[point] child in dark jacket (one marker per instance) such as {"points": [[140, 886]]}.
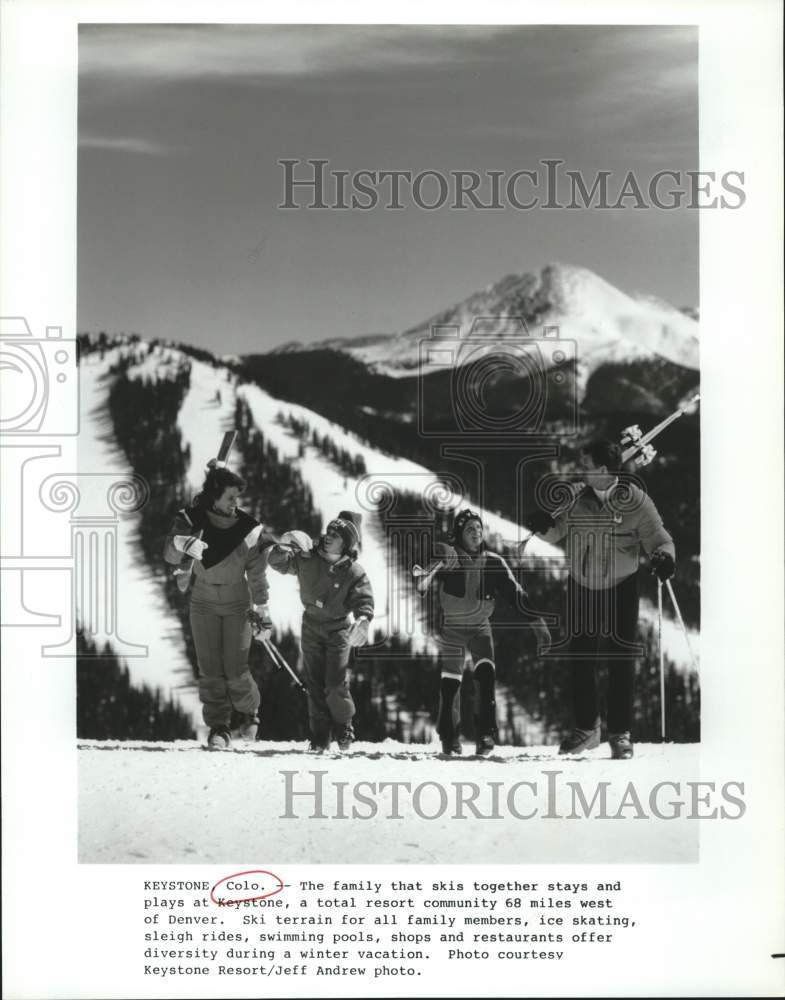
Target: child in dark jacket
{"points": [[333, 585], [468, 577]]}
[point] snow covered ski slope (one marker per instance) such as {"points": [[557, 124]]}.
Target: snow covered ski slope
{"points": [[144, 617]]}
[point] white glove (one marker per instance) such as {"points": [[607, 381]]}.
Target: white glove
{"points": [[446, 554], [358, 633], [190, 545], [263, 621], [298, 540]]}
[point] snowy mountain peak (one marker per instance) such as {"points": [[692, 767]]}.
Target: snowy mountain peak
{"points": [[607, 324]]}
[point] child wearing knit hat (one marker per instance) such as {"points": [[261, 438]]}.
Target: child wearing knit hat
{"points": [[333, 585], [468, 578]]}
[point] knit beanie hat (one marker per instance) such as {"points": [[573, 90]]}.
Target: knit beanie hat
{"points": [[460, 522], [347, 524]]}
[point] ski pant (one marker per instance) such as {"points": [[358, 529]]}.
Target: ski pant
{"points": [[603, 627], [326, 654], [457, 640], [222, 636]]}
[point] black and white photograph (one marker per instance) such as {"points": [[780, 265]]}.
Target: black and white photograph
{"points": [[462, 408], [381, 501]]}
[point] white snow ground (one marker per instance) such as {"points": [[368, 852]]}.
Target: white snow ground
{"points": [[157, 803]]}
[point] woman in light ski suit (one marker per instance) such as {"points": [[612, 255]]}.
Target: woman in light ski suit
{"points": [[229, 576]]}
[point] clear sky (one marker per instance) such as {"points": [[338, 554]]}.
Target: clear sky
{"points": [[181, 129]]}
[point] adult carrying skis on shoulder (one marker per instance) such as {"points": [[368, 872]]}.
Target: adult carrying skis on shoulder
{"points": [[333, 586], [229, 571], [605, 527]]}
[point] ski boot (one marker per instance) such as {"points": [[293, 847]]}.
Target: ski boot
{"points": [[487, 736], [484, 745], [345, 736], [248, 726], [621, 746], [451, 746], [319, 741], [219, 738], [581, 739]]}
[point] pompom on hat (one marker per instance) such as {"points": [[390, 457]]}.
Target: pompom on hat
{"points": [[348, 525]]}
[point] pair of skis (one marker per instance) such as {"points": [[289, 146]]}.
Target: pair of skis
{"points": [[636, 446], [184, 572]]}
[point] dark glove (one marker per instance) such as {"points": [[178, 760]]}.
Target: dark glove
{"points": [[663, 565], [259, 617], [539, 521]]}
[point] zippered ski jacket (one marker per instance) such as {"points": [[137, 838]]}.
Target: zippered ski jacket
{"points": [[329, 591], [604, 538], [235, 549], [467, 594]]}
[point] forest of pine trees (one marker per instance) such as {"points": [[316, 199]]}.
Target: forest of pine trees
{"points": [[110, 707]]}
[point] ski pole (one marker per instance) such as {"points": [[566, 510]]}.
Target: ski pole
{"points": [[273, 652], [280, 663], [683, 626], [662, 659]]}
